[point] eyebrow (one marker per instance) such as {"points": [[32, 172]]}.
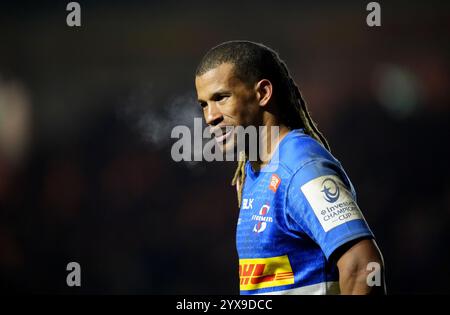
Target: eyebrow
{"points": [[216, 94]]}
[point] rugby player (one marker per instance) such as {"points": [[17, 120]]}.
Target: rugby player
{"points": [[300, 230]]}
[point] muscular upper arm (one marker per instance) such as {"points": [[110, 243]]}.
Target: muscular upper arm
{"points": [[353, 260]]}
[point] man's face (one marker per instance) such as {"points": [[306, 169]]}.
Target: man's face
{"points": [[226, 101]]}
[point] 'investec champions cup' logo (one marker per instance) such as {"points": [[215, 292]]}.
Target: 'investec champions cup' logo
{"points": [[330, 190]]}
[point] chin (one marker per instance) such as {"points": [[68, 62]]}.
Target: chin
{"points": [[228, 148]]}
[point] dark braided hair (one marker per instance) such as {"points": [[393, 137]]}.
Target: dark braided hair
{"points": [[253, 62]]}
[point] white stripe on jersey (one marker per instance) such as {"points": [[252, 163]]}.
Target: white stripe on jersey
{"points": [[322, 288]]}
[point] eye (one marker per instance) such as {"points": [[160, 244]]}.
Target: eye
{"points": [[221, 97], [203, 104]]}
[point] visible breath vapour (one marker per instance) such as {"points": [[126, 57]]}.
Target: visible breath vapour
{"points": [[155, 121]]}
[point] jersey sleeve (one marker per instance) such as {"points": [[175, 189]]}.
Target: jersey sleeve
{"points": [[321, 202]]}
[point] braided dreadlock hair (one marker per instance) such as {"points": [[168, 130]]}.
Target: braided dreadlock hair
{"points": [[252, 63]]}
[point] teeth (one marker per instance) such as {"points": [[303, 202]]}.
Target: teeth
{"points": [[223, 132], [223, 136]]}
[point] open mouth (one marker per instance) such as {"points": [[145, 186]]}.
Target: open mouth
{"points": [[224, 136]]}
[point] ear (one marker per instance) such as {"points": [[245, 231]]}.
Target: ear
{"points": [[264, 90]]}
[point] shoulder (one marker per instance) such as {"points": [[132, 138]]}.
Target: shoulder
{"points": [[298, 149], [305, 159]]}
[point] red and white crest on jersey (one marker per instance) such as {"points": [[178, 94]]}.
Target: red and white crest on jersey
{"points": [[275, 181]]}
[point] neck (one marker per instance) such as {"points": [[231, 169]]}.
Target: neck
{"points": [[268, 139]]}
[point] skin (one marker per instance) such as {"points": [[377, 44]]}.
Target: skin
{"points": [[353, 273], [228, 101]]}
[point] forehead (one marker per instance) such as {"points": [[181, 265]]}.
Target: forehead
{"points": [[219, 78]]}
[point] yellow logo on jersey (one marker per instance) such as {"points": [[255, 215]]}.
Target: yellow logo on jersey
{"points": [[258, 273]]}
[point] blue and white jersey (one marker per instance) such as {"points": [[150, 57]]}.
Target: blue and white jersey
{"points": [[294, 214]]}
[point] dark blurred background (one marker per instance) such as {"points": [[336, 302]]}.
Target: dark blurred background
{"points": [[86, 173]]}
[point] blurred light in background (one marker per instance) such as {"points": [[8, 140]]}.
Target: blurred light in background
{"points": [[15, 119], [398, 90], [86, 114]]}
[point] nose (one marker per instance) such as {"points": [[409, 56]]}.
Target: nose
{"points": [[213, 115]]}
